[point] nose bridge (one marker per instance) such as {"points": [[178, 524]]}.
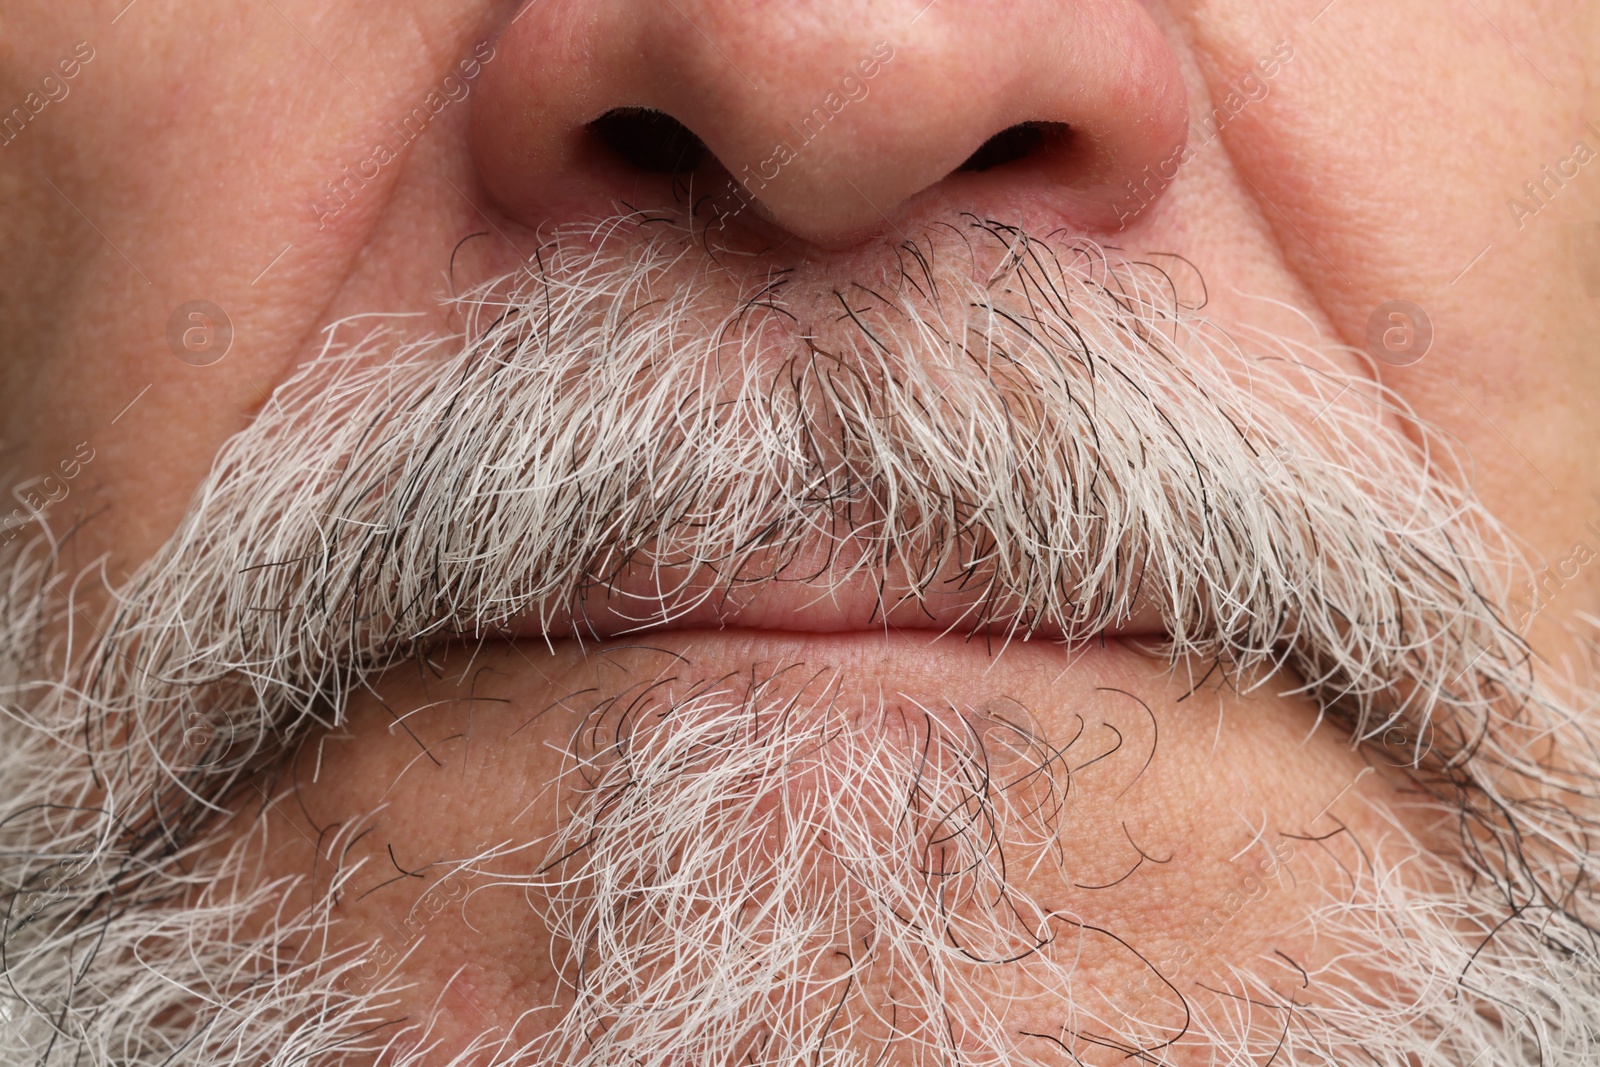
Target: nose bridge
{"points": [[835, 115]]}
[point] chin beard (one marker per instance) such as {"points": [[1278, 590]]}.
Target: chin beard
{"points": [[1034, 419]]}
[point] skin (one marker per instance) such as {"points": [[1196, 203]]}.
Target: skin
{"points": [[1378, 166]]}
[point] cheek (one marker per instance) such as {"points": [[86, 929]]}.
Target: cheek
{"points": [[1511, 370]]}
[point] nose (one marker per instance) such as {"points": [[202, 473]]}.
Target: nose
{"points": [[833, 119]]}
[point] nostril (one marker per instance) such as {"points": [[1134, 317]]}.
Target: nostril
{"points": [[1017, 142], [650, 140]]}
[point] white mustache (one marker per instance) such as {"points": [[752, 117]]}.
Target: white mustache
{"points": [[1052, 437]]}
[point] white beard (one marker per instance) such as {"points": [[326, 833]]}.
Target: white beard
{"points": [[754, 875], [1055, 426]]}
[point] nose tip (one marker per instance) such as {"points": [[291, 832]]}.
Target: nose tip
{"points": [[835, 118]]}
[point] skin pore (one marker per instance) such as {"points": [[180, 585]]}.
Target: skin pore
{"points": [[192, 160]]}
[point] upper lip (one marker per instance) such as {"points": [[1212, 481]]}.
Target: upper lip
{"points": [[821, 599]]}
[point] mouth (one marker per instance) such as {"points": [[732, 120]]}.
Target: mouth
{"points": [[1043, 450], [826, 588]]}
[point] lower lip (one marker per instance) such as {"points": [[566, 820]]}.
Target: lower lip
{"points": [[932, 669]]}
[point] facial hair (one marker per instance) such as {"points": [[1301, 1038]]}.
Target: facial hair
{"points": [[1030, 426]]}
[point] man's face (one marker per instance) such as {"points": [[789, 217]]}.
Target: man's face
{"points": [[706, 532]]}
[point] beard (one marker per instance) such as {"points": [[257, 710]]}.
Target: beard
{"points": [[1017, 438]]}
